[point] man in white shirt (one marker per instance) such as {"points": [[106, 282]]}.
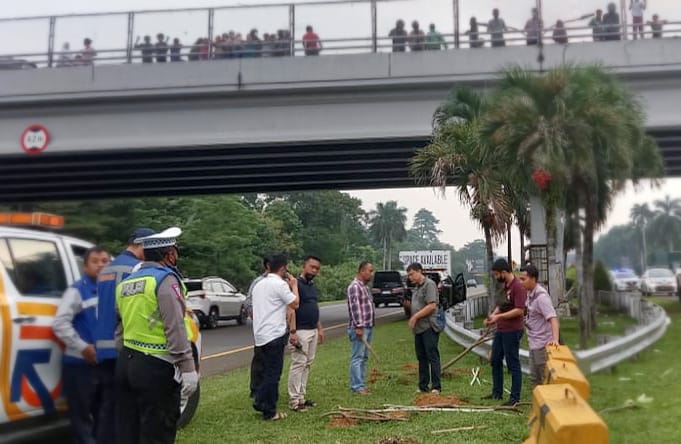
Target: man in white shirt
{"points": [[271, 296], [637, 7]]}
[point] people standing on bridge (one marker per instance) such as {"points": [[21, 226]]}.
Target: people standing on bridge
{"points": [[611, 23], [434, 40], [533, 28], [271, 298], [161, 48], [306, 332], [146, 48], [105, 331], [596, 25], [656, 26], [176, 51], [399, 36], [541, 322], [258, 361], [88, 54], [496, 28], [508, 317], [156, 366], [417, 38], [361, 326], [474, 40], [253, 45], [423, 324], [311, 42], [559, 33], [74, 325], [65, 56], [637, 7]]}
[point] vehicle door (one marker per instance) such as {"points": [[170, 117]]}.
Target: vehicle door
{"points": [[34, 275], [233, 297], [219, 297]]}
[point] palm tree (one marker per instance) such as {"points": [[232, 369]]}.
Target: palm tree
{"points": [[587, 131], [386, 225], [641, 215], [458, 156], [666, 222]]}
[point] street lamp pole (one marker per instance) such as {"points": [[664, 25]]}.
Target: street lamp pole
{"points": [[644, 262]]}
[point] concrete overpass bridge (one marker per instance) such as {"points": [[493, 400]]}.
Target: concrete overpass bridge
{"points": [[244, 125]]}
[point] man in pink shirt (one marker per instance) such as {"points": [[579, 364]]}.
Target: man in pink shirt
{"points": [[311, 42], [541, 322]]}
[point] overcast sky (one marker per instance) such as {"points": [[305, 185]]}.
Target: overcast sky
{"points": [[336, 21]]}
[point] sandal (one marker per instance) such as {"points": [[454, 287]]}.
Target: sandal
{"points": [[277, 416], [310, 403], [299, 408]]}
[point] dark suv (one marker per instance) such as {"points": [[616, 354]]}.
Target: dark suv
{"points": [[390, 287]]}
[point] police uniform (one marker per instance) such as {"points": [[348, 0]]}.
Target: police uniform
{"points": [[156, 355], [105, 343]]}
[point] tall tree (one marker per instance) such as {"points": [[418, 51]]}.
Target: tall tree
{"points": [[425, 227], [641, 215], [387, 225], [666, 222]]}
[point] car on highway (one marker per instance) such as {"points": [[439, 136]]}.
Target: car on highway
{"points": [[389, 287], [658, 281], [36, 266], [213, 299], [624, 280]]}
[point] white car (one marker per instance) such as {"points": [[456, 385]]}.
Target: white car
{"points": [[624, 280], [213, 299], [658, 281]]}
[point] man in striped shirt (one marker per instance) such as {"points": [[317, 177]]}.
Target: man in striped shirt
{"points": [[360, 326]]}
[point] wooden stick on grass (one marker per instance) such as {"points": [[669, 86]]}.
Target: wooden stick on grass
{"points": [[459, 429]]}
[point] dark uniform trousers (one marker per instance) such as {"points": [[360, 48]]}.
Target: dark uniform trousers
{"points": [[106, 417], [148, 404]]}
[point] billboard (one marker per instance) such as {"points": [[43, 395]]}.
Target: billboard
{"points": [[430, 259]]}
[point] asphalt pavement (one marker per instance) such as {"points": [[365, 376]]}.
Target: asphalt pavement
{"points": [[230, 345]]}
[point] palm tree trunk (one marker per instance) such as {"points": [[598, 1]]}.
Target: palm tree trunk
{"points": [[390, 253], [585, 306], [385, 249], [522, 248], [510, 242], [491, 289]]}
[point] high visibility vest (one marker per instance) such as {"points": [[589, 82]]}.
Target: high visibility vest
{"points": [[137, 304]]}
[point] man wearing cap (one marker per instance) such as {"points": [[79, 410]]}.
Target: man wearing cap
{"points": [[104, 335], [155, 367], [508, 317]]}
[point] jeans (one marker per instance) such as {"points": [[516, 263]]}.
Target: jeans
{"points": [[79, 387], [148, 402], [506, 346], [428, 356], [106, 416], [299, 371], [359, 357], [537, 366], [257, 370], [267, 395]]}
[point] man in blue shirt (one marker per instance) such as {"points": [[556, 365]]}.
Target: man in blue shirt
{"points": [[306, 332], [74, 325], [105, 330]]}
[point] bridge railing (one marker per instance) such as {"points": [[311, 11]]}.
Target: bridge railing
{"points": [[208, 45], [651, 326]]}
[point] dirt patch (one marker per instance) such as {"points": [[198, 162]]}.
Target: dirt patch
{"points": [[374, 375], [341, 422], [410, 367], [397, 440], [433, 400]]}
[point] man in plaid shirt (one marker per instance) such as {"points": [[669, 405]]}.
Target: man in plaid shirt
{"points": [[361, 326]]}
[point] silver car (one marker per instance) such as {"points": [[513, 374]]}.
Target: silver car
{"points": [[213, 299], [658, 281]]}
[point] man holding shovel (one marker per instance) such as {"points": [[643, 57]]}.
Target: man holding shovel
{"points": [[360, 326]]}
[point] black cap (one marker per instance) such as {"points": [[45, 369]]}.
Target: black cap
{"points": [[138, 234], [501, 265]]}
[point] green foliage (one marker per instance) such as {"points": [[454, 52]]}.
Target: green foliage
{"points": [[601, 278]]}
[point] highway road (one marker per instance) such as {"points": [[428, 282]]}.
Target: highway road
{"points": [[230, 345]]}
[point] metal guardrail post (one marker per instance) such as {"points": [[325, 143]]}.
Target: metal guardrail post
{"points": [[624, 22], [50, 42], [292, 28], [457, 23], [211, 24], [374, 26], [131, 30]]}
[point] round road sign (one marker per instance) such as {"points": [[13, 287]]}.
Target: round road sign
{"points": [[35, 139]]}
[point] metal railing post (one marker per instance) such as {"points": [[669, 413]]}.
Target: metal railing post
{"points": [[292, 28], [624, 22], [374, 26], [130, 43], [457, 24], [50, 42], [211, 24]]}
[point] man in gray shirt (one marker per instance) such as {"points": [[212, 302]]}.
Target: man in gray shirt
{"points": [[496, 28], [423, 323]]}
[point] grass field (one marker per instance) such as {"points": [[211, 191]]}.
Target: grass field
{"points": [[225, 414]]}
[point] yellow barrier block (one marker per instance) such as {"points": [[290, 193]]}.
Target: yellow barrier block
{"points": [[564, 372], [560, 353], [561, 416]]}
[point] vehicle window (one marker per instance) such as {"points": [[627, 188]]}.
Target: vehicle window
{"points": [[6, 259], [38, 269], [214, 287], [193, 285], [228, 287], [79, 254], [660, 273]]}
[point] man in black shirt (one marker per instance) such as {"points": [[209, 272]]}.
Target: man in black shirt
{"points": [[146, 48], [399, 36], [305, 333]]}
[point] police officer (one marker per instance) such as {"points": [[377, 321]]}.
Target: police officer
{"points": [[117, 270], [74, 325], [155, 366]]}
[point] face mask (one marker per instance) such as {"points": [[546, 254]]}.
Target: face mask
{"points": [[309, 277]]}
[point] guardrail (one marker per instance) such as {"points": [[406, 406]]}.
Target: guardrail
{"points": [[652, 324]]}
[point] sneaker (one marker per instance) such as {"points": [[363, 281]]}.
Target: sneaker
{"points": [[298, 408], [510, 403], [435, 392], [491, 396]]}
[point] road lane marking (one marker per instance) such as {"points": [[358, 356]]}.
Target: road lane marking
{"points": [[250, 347]]}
